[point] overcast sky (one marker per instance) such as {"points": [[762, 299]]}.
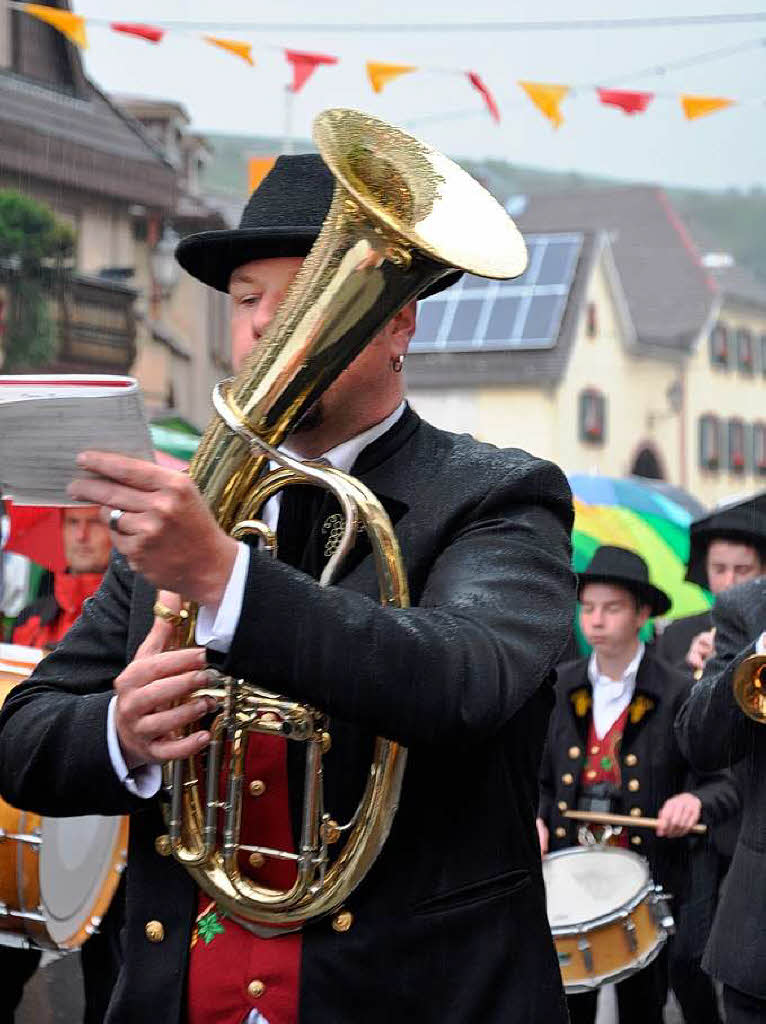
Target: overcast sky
{"points": [[221, 93]]}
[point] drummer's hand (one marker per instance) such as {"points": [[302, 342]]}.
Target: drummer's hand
{"points": [[542, 835], [701, 649], [679, 815], [162, 632], [167, 533], [146, 720]]}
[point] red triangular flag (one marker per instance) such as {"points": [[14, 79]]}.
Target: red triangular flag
{"points": [[489, 99], [304, 65], [148, 32], [629, 102]]}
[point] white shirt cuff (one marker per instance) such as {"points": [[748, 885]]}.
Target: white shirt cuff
{"points": [[760, 644], [216, 625], [143, 781]]}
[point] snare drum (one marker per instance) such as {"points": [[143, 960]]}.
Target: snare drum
{"points": [[57, 875], [607, 917]]}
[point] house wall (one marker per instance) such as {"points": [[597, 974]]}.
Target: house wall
{"points": [[726, 392]]}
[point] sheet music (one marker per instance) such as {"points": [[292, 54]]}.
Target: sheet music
{"points": [[46, 422]]}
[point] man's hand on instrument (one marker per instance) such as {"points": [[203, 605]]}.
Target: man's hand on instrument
{"points": [[166, 531], [542, 835], [701, 649], [152, 705], [679, 815]]}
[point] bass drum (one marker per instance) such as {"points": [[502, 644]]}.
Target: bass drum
{"points": [[607, 917], [57, 875]]}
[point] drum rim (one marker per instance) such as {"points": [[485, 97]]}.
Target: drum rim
{"points": [[590, 923]]}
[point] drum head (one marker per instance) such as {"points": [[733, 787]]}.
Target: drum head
{"points": [[586, 883], [81, 860]]}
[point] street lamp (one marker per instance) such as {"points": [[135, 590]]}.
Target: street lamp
{"points": [[165, 270]]}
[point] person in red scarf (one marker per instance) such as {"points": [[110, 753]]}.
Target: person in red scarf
{"points": [[87, 544]]}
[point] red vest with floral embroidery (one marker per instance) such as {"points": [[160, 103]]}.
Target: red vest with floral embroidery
{"points": [[602, 762], [232, 971]]}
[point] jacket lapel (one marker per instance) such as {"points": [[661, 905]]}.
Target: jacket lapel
{"points": [[643, 706], [580, 704]]}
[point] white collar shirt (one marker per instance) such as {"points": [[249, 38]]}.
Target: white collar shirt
{"points": [[612, 696]]}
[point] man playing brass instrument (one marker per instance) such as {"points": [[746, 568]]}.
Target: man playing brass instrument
{"points": [[714, 732], [449, 925]]}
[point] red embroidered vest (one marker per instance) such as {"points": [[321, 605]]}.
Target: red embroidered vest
{"points": [[602, 763]]}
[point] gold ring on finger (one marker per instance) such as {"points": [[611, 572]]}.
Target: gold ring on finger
{"points": [[174, 618]]}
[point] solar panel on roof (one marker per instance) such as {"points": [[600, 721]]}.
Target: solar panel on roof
{"points": [[526, 313]]}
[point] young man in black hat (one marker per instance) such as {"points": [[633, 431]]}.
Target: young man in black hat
{"points": [[611, 748], [463, 679], [714, 732], [726, 547]]}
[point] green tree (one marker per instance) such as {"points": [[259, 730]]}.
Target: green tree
{"points": [[35, 248]]}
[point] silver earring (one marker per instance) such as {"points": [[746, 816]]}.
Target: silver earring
{"points": [[397, 363]]}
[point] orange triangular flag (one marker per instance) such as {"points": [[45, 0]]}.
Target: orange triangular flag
{"points": [[70, 25], [547, 98], [381, 74], [242, 50], [698, 106]]}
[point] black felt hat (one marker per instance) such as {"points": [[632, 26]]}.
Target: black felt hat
{"points": [[626, 569], [743, 522], [282, 218]]}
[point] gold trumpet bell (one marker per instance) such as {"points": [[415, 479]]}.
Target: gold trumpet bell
{"points": [[749, 687]]}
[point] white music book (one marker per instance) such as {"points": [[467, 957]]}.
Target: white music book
{"points": [[46, 420]]}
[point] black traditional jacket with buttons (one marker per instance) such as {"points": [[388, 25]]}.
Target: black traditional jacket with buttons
{"points": [[652, 767], [449, 926]]}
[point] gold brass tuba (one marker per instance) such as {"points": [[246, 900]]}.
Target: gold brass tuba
{"points": [[402, 217], [749, 687]]}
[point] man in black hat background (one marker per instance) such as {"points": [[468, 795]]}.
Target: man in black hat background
{"points": [[714, 732], [463, 679], [611, 747], [726, 547]]}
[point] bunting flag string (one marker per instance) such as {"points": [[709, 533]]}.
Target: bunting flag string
{"points": [[547, 97], [242, 50]]}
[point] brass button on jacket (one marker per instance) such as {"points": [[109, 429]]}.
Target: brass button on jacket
{"points": [[154, 931], [634, 785], [567, 779], [636, 812], [257, 787], [636, 840], [563, 805], [162, 846], [574, 752], [342, 921], [631, 760], [256, 988], [561, 832]]}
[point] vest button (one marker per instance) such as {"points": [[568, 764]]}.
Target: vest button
{"points": [[634, 785], [256, 988], [561, 832], [342, 921], [162, 846], [590, 774], [154, 931], [595, 748], [574, 752], [636, 840], [257, 787], [631, 760], [567, 779]]}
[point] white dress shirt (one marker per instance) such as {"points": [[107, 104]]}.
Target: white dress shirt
{"points": [[216, 624], [611, 696]]}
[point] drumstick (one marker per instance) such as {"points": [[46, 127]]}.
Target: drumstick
{"points": [[596, 818]]}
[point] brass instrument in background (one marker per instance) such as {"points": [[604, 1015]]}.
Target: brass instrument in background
{"points": [[402, 217], [749, 685]]}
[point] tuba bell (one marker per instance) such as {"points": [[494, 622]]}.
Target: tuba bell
{"points": [[749, 685], [402, 217]]}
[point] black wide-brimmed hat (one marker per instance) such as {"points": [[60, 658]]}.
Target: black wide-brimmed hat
{"points": [[282, 218], [626, 569], [743, 522]]}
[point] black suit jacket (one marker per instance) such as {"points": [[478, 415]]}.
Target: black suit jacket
{"points": [[652, 767], [674, 641], [450, 924], [715, 733]]}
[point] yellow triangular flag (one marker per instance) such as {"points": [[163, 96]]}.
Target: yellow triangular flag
{"points": [[547, 98], [70, 25], [238, 49], [698, 106], [381, 74]]}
